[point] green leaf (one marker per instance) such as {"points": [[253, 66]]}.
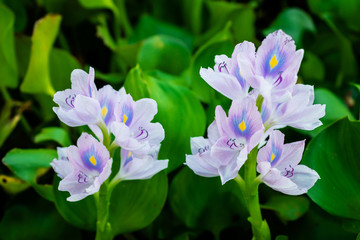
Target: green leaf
{"points": [[180, 121], [333, 154], [203, 203], [35, 219], [109, 4], [8, 66], [11, 114], [19, 9], [204, 57], [62, 63], [149, 26], [312, 68], [135, 204], [165, 53], [37, 78], [288, 208], [13, 185], [192, 11], [29, 164], [346, 10], [292, 21], [241, 16], [81, 214], [56, 134], [334, 110]]}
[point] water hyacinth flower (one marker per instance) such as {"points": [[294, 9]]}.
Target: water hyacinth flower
{"points": [[83, 168], [298, 112], [140, 167], [230, 140], [275, 69], [78, 106], [133, 129], [227, 77], [278, 164]]}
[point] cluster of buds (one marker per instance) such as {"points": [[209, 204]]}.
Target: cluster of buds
{"points": [[265, 97], [83, 168]]}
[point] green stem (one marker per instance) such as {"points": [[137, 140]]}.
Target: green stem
{"points": [[103, 227], [106, 135], [259, 227]]}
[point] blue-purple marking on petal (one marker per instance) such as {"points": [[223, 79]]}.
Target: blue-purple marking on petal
{"points": [[128, 112], [221, 66], [281, 58], [87, 155], [276, 151], [70, 100], [128, 159], [236, 120], [289, 172], [239, 77]]}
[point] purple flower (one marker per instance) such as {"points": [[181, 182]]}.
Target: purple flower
{"points": [[276, 65], [140, 167], [78, 106], [83, 168], [279, 169], [298, 111], [227, 77], [132, 129], [230, 140]]}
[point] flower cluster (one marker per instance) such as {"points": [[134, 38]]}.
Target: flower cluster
{"points": [[262, 85], [83, 168]]}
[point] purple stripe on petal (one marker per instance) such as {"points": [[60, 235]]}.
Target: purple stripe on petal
{"points": [[127, 113], [274, 155], [239, 77]]}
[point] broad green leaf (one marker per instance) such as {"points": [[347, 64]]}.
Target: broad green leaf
{"points": [[56, 134], [204, 57], [135, 204], [192, 13], [203, 203], [81, 214], [241, 16], [8, 66], [37, 78], [179, 111], [334, 110], [164, 53], [13, 185], [334, 155], [288, 208], [35, 219], [23, 48], [346, 10], [294, 22], [149, 26], [62, 63], [29, 164], [19, 9], [312, 68]]}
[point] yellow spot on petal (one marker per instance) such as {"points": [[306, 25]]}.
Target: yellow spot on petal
{"points": [[104, 111], [129, 154], [272, 157], [92, 160], [242, 126], [273, 62], [125, 118]]}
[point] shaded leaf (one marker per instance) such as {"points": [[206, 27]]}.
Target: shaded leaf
{"points": [[294, 22], [333, 153], [135, 204], [8, 66], [165, 53], [81, 214], [13, 185], [288, 208], [180, 121]]}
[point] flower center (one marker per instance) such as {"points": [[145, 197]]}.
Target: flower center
{"points": [[242, 126], [92, 159], [104, 111], [273, 62]]}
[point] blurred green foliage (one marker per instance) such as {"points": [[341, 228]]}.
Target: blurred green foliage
{"points": [[155, 49]]}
